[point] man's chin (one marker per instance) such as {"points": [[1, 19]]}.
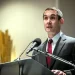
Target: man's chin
{"points": [[48, 30]]}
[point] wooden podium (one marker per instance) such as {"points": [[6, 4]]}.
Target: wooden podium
{"points": [[24, 67]]}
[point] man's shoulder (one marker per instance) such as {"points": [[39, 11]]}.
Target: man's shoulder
{"points": [[69, 38]]}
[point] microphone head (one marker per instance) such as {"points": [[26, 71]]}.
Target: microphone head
{"points": [[38, 41]]}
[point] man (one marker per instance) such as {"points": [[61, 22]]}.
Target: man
{"points": [[62, 46]]}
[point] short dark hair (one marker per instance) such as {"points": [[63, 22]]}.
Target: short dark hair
{"points": [[59, 13]]}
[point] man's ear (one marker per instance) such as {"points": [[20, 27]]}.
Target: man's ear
{"points": [[61, 21]]}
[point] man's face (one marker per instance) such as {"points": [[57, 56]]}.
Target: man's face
{"points": [[51, 22]]}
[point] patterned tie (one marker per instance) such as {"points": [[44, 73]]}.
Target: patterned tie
{"points": [[49, 51]]}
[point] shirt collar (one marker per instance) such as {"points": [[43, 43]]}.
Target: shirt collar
{"points": [[56, 37]]}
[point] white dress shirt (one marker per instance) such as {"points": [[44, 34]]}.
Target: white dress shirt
{"points": [[55, 39]]}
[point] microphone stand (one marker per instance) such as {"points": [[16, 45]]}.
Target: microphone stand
{"points": [[55, 57], [22, 52]]}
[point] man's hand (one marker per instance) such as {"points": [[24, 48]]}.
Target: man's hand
{"points": [[58, 72]]}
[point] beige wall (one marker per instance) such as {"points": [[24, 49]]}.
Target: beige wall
{"points": [[68, 8], [24, 21]]}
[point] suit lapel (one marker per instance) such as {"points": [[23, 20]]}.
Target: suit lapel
{"points": [[42, 56], [60, 44]]}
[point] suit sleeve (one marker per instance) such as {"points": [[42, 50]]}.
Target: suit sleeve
{"points": [[71, 71]]}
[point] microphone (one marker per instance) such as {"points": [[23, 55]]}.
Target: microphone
{"points": [[35, 43]]}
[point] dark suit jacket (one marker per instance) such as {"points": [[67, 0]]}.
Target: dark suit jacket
{"points": [[65, 48]]}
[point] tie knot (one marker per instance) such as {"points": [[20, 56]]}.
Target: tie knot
{"points": [[50, 41]]}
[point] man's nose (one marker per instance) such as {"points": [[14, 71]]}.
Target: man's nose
{"points": [[49, 21]]}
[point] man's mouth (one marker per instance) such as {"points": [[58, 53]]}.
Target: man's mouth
{"points": [[49, 26]]}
